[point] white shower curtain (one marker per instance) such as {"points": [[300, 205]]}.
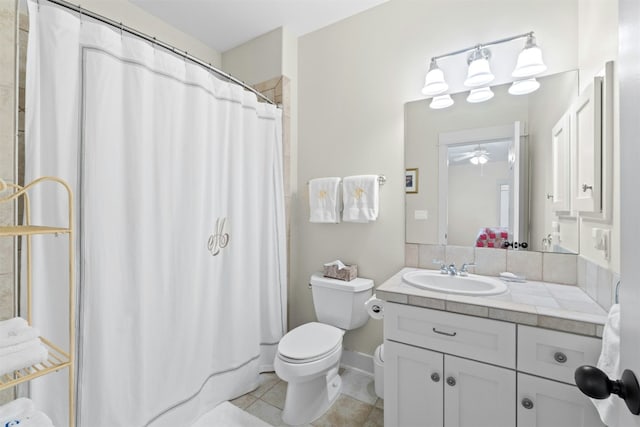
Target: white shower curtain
{"points": [[180, 224]]}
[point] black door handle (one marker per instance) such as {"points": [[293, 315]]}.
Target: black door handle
{"points": [[596, 384]]}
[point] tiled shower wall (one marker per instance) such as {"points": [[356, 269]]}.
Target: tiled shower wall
{"points": [[568, 269], [8, 46]]}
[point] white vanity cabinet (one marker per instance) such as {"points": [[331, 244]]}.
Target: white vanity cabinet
{"points": [[546, 403], [431, 389], [450, 370], [554, 356]]}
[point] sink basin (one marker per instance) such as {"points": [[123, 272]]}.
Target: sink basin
{"points": [[462, 285]]}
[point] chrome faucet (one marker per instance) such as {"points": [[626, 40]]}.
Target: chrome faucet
{"points": [[452, 270], [464, 269], [443, 267]]}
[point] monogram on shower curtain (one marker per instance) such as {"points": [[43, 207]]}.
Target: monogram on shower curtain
{"points": [[180, 220]]}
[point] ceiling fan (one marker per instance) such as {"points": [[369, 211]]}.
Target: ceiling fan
{"points": [[479, 156]]}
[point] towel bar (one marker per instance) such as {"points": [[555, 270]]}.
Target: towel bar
{"points": [[381, 180]]}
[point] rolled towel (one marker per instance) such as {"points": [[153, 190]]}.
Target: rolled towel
{"points": [[16, 410], [324, 200], [10, 325], [360, 194], [31, 355], [38, 419], [18, 336], [609, 363], [18, 347]]}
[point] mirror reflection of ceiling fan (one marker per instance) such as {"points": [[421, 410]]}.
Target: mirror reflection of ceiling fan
{"points": [[479, 156]]}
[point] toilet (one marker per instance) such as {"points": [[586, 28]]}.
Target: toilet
{"points": [[308, 356]]}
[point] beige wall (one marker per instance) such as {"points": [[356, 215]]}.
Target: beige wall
{"points": [[354, 78], [257, 60]]}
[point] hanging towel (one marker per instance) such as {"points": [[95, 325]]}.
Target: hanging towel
{"points": [[360, 196], [18, 336], [16, 410], [324, 200], [32, 355], [609, 363]]}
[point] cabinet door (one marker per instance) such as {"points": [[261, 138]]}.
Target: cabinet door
{"points": [[586, 118], [478, 395], [546, 403], [561, 172], [412, 386]]}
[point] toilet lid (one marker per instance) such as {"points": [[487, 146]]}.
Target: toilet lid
{"points": [[310, 341]]}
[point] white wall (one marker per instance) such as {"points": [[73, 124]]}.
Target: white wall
{"points": [[354, 78], [134, 17], [598, 43]]}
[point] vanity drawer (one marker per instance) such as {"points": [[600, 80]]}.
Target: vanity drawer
{"points": [[476, 338], [554, 354]]}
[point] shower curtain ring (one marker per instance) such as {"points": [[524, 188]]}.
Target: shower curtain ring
{"points": [[121, 30]]}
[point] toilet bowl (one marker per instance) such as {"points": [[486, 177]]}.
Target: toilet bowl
{"points": [[308, 356], [308, 359]]}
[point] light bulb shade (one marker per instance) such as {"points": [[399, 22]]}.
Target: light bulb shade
{"points": [[479, 73], [480, 159], [523, 87], [480, 95], [434, 83], [530, 60], [441, 101]]}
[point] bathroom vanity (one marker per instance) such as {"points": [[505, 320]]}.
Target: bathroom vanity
{"points": [[455, 360]]}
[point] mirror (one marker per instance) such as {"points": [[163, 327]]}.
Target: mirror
{"points": [[485, 170]]}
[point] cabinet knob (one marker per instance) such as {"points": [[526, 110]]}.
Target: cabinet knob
{"points": [[451, 381], [435, 377], [560, 357], [586, 187], [527, 403], [596, 384]]}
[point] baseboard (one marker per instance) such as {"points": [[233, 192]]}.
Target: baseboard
{"points": [[356, 360]]}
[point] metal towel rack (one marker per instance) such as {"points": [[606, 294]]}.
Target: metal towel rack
{"points": [[381, 180]]}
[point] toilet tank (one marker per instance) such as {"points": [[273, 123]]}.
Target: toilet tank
{"points": [[340, 303]]}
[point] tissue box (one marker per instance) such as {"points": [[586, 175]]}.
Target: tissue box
{"points": [[348, 273]]}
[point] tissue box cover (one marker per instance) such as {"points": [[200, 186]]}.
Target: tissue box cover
{"points": [[348, 273]]}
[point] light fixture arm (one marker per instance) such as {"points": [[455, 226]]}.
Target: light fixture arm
{"points": [[483, 45]]}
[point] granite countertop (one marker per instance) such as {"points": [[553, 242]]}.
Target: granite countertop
{"points": [[547, 305]]}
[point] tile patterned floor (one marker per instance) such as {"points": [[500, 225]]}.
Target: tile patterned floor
{"points": [[357, 406]]}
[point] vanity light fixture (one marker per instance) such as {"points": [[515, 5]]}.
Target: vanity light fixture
{"points": [[480, 95], [523, 87], [441, 101], [434, 83], [529, 60], [479, 75]]}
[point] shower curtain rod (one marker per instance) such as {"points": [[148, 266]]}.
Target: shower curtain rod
{"points": [[156, 42]]}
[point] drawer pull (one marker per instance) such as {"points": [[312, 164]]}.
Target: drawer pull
{"points": [[435, 377], [560, 357], [451, 381], [445, 333], [527, 403]]}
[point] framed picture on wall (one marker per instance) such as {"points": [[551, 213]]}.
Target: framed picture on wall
{"points": [[411, 180]]}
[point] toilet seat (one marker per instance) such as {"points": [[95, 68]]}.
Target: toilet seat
{"points": [[309, 342]]}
